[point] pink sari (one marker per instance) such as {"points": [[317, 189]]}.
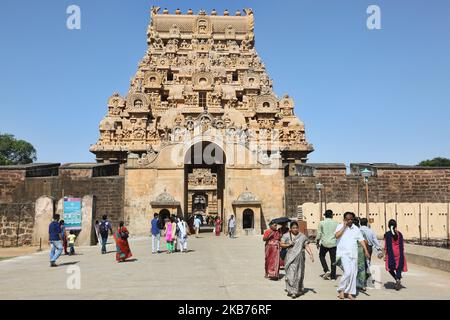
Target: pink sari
{"points": [[218, 224]]}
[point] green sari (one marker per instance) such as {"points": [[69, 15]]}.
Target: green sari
{"points": [[363, 273]]}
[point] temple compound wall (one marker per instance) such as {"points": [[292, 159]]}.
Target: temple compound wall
{"points": [[31, 194], [417, 197]]}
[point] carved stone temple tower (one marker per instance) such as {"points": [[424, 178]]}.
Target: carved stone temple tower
{"points": [[201, 130]]}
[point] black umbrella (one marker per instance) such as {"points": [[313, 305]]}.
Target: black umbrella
{"points": [[281, 220]]}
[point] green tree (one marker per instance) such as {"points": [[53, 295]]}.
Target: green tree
{"points": [[13, 151], [436, 162]]}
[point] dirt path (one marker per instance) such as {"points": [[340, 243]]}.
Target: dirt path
{"points": [[18, 251]]}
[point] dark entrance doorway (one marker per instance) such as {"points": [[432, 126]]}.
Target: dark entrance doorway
{"points": [[248, 219], [199, 203], [162, 216], [204, 167]]}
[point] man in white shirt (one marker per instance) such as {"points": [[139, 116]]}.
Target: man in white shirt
{"points": [[231, 226], [197, 224], [347, 236]]}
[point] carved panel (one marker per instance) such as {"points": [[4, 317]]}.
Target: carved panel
{"points": [[266, 103], [202, 80], [251, 80], [203, 26], [137, 102], [152, 80]]}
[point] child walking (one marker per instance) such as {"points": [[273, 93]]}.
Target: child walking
{"points": [[71, 239]]}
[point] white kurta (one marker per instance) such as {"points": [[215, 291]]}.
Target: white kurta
{"points": [[347, 251], [182, 239]]}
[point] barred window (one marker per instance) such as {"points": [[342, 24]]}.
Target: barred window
{"points": [[202, 99]]}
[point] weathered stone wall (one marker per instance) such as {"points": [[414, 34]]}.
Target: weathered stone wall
{"points": [[108, 192], [16, 224], [416, 196], [16, 188], [9, 179]]}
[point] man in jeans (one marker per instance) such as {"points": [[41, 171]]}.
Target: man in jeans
{"points": [[105, 226], [231, 226], [55, 240], [156, 234], [326, 241]]}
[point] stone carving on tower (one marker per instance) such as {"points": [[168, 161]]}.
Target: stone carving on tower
{"points": [[199, 71]]}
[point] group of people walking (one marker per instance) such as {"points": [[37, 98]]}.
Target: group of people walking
{"points": [[175, 231], [217, 226], [104, 228], [350, 245]]}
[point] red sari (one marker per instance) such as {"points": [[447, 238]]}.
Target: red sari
{"points": [[122, 246], [282, 231], [272, 249], [218, 226]]}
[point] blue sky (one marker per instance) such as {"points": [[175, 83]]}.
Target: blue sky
{"points": [[364, 95]]}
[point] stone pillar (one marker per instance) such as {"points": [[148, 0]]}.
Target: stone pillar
{"points": [[87, 206], [44, 209]]}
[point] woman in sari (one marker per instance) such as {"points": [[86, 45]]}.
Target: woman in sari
{"points": [[218, 224], [170, 232], [272, 238], [395, 253], [122, 246], [363, 275], [296, 243]]}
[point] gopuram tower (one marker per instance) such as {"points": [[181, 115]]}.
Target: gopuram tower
{"points": [[199, 82]]}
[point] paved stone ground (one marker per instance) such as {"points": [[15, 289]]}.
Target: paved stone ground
{"points": [[216, 268]]}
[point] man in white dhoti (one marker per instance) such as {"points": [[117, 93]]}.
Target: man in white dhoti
{"points": [[183, 234], [347, 236]]}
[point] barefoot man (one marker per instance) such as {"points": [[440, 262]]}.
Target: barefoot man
{"points": [[347, 236]]}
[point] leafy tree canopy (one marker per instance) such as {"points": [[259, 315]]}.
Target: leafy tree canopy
{"points": [[13, 151], [436, 162]]}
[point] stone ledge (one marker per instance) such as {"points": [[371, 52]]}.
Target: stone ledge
{"points": [[431, 257], [429, 262]]}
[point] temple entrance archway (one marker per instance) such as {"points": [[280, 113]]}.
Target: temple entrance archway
{"points": [[204, 169]]}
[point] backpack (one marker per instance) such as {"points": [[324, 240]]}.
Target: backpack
{"points": [[103, 227]]}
